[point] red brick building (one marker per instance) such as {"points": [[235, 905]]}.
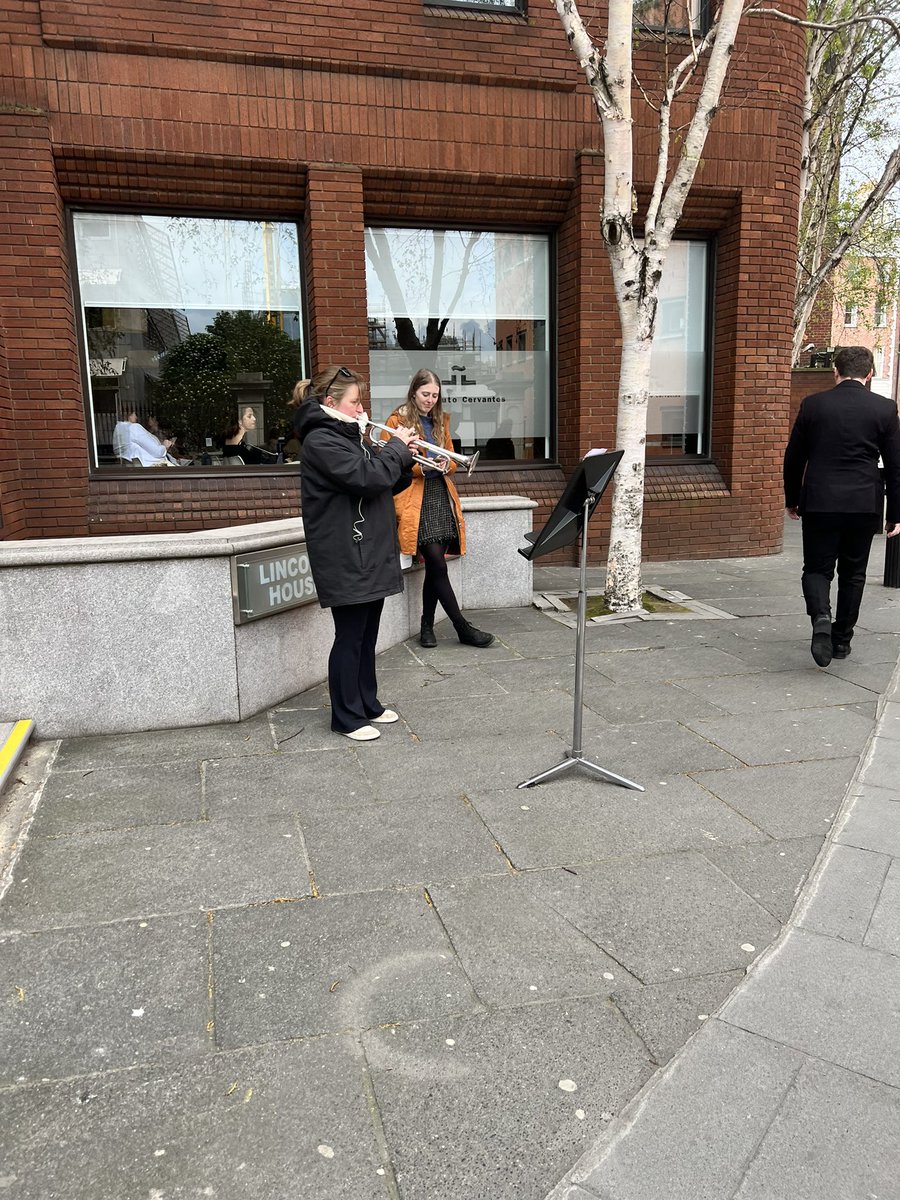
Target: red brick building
{"points": [[203, 200]]}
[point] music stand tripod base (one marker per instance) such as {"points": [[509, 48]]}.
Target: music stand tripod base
{"points": [[569, 521], [576, 760]]}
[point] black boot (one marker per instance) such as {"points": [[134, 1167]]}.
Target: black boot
{"points": [[821, 647], [470, 636], [426, 635]]}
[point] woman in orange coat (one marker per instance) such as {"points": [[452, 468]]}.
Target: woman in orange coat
{"points": [[429, 514]]}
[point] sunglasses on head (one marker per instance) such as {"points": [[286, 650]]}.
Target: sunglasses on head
{"points": [[340, 373]]}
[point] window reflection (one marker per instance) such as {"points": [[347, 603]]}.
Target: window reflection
{"points": [[472, 306], [188, 323]]}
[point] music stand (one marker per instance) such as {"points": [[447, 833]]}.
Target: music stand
{"points": [[567, 521]]}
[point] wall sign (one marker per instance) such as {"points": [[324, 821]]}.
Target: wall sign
{"points": [[270, 581]]}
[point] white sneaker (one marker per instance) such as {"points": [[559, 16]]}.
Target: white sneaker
{"points": [[365, 734], [388, 717]]}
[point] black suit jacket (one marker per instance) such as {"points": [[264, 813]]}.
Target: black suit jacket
{"points": [[831, 460]]}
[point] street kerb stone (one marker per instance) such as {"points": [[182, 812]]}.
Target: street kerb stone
{"points": [[665, 1015], [773, 873], [103, 997], [338, 964], [827, 998], [516, 950], [698, 1122], [119, 797], [398, 843], [884, 929], [873, 821], [791, 800], [661, 918], [577, 819], [154, 871], [498, 1106], [288, 1121], [837, 1134]]}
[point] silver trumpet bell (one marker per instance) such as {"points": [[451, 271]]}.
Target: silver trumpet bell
{"points": [[467, 461]]}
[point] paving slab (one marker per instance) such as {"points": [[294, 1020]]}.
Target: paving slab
{"points": [[501, 716], [844, 896], [517, 950], [758, 738], [665, 1015], [165, 745], [776, 691], [104, 997], [153, 871], [473, 1108], [818, 1146], [285, 1123], [853, 1019], [699, 1125], [398, 843], [333, 965], [784, 801], [576, 820], [772, 873], [294, 782], [684, 662], [873, 823], [884, 768], [628, 703], [653, 751], [119, 797], [661, 918], [883, 932]]}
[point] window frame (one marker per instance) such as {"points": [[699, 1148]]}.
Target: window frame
{"points": [[198, 471], [518, 464], [704, 9], [706, 420], [518, 8], [851, 316]]}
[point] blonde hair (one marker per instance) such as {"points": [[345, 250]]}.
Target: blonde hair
{"points": [[333, 382]]}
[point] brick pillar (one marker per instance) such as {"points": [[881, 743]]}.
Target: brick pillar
{"points": [[588, 342], [36, 310], [12, 512], [335, 258]]}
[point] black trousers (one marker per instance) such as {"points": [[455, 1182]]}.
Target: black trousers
{"points": [[351, 666], [842, 539]]}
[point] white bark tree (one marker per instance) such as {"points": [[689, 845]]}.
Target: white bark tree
{"points": [[638, 263], [849, 121]]}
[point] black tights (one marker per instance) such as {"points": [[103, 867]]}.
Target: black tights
{"points": [[437, 586]]}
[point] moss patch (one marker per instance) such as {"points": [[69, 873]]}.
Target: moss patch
{"points": [[597, 606]]}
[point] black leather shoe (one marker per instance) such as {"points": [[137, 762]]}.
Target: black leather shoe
{"points": [[840, 649], [820, 646], [426, 636], [470, 636]]}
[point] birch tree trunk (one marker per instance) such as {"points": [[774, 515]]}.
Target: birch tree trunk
{"points": [[638, 268]]}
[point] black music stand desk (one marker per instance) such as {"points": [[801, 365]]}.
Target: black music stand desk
{"points": [[568, 521]]}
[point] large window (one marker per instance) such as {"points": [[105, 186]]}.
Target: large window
{"points": [[677, 419], [474, 308], [673, 16], [188, 324]]}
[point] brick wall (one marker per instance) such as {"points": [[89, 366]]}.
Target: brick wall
{"points": [[12, 511], [409, 116]]}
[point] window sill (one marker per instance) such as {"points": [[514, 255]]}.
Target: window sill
{"points": [[476, 14]]}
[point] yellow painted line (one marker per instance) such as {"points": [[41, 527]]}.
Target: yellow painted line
{"points": [[13, 747]]}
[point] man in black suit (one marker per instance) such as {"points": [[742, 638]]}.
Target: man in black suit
{"points": [[832, 481]]}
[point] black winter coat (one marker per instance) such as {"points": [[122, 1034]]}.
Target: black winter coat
{"points": [[831, 461], [346, 490]]}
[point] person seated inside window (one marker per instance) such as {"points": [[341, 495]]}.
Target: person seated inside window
{"points": [[234, 446], [134, 444]]}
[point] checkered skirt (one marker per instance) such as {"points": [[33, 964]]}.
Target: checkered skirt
{"points": [[437, 522]]}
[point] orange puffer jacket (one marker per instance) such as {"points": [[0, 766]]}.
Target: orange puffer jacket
{"points": [[408, 504]]}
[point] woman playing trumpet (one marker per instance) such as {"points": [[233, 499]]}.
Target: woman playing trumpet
{"points": [[429, 514], [351, 536]]}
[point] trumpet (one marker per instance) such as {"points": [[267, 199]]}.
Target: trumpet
{"points": [[467, 461]]}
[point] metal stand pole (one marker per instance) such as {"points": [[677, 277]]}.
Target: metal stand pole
{"points": [[575, 756]]}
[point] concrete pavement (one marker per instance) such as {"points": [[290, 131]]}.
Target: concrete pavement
{"points": [[262, 961]]}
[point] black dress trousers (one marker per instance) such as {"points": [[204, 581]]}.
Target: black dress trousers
{"points": [[842, 540], [351, 666]]}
